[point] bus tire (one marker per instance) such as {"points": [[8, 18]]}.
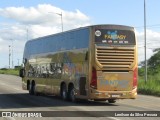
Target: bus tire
{"points": [[31, 91], [34, 90], [111, 100], [64, 94], [72, 94]]}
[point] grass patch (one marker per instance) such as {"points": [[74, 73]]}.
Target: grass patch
{"points": [[10, 71], [152, 86]]}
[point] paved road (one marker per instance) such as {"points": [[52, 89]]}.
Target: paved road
{"points": [[13, 98]]}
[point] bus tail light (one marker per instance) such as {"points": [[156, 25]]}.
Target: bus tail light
{"points": [[135, 79], [93, 83]]}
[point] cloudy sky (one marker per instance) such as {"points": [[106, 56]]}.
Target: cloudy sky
{"points": [[21, 20]]}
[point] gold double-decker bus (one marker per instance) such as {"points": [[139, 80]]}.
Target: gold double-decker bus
{"points": [[96, 62]]}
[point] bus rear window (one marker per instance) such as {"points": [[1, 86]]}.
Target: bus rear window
{"points": [[115, 37]]}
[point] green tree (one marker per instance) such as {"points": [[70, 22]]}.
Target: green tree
{"points": [[154, 62]]}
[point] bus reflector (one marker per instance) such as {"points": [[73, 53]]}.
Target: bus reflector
{"points": [[135, 78], [93, 83]]}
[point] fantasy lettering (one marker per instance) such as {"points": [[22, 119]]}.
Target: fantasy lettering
{"points": [[114, 37]]}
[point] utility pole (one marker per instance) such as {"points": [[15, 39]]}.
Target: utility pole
{"points": [[18, 61], [61, 19], [60, 14], [9, 56], [12, 55], [145, 45]]}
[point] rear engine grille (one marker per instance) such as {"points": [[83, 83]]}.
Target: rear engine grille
{"points": [[115, 57]]}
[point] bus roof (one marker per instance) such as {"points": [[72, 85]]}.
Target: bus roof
{"points": [[110, 26]]}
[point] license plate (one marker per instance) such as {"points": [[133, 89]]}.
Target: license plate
{"points": [[115, 96]]}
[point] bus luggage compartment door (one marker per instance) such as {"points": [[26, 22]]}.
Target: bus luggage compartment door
{"points": [[114, 81]]}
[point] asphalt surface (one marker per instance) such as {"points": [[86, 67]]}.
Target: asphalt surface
{"points": [[14, 99]]}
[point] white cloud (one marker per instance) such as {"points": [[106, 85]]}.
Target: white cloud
{"points": [[152, 40], [42, 20], [44, 14], [40, 30], [34, 22]]}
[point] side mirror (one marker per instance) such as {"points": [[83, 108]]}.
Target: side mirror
{"points": [[21, 72]]}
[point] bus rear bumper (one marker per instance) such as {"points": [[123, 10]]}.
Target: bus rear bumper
{"points": [[95, 94]]}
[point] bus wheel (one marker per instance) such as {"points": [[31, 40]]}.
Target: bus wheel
{"points": [[31, 89], [72, 94], [111, 100], [64, 92]]}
